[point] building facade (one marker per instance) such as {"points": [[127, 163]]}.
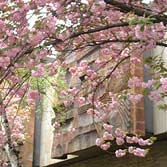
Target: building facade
{"points": [[78, 149]]}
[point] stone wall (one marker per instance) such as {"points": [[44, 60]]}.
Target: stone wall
{"points": [[128, 117], [87, 128]]}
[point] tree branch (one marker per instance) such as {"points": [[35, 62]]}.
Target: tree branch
{"points": [[99, 29], [125, 8], [93, 43]]}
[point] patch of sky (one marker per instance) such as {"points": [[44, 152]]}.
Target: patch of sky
{"points": [[147, 1]]}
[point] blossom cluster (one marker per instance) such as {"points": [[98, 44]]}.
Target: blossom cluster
{"points": [[133, 143]]}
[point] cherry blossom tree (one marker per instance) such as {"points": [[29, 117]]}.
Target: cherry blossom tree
{"points": [[33, 31]]}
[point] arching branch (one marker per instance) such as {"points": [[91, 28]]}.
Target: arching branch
{"points": [[125, 8]]}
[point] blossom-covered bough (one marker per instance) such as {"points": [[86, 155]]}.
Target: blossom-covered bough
{"points": [[32, 31]]}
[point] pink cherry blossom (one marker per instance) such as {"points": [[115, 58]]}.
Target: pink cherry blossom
{"points": [[120, 141], [135, 60], [96, 113], [163, 81], [120, 153], [107, 127], [40, 71], [129, 140], [148, 84], [143, 142], [108, 136], [36, 38], [5, 164], [73, 91], [105, 146], [4, 62], [120, 133], [135, 81], [84, 63], [90, 111], [34, 95], [99, 141], [104, 117], [135, 139], [73, 71], [67, 103], [131, 149], [64, 93], [100, 63], [105, 51], [56, 125], [135, 98], [140, 152], [81, 100]]}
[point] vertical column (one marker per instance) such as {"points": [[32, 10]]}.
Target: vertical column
{"points": [[137, 110], [27, 149]]}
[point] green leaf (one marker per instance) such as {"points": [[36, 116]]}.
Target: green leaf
{"points": [[157, 84], [146, 92], [162, 106], [142, 28]]}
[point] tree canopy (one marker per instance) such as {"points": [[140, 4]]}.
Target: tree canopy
{"points": [[37, 36]]}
